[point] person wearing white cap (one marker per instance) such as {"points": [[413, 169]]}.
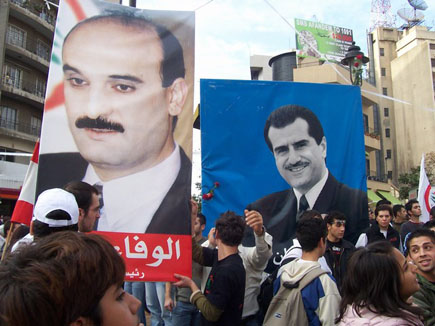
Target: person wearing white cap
{"points": [[55, 210]]}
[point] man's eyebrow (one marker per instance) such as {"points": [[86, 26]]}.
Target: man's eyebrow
{"points": [[127, 77], [301, 142], [279, 148], [68, 67]]}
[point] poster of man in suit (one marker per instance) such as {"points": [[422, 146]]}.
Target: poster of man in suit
{"points": [[118, 115], [293, 152]]}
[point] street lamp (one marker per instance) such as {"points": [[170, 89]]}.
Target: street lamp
{"points": [[355, 60]]}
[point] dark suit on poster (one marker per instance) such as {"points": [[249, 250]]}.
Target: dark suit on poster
{"points": [[173, 214], [279, 213]]}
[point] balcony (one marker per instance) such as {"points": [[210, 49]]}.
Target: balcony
{"points": [[25, 91], [34, 15], [377, 181], [18, 129], [372, 139], [29, 54]]}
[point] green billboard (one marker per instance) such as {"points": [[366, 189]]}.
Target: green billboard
{"points": [[313, 38]]}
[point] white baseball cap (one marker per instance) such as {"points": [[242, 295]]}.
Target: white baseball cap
{"points": [[56, 199]]}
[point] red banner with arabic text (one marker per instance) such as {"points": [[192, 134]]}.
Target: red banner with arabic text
{"points": [[154, 257]]}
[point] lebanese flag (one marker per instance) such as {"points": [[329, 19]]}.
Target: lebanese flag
{"points": [[424, 191], [24, 207]]}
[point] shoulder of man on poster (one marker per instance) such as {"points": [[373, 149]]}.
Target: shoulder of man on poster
{"points": [[122, 115], [296, 138]]}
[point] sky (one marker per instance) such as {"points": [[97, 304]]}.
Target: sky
{"points": [[228, 32]]}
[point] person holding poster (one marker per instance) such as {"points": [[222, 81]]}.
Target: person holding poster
{"points": [[295, 137], [124, 87]]}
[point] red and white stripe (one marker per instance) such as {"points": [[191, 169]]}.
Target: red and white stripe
{"points": [[24, 207]]}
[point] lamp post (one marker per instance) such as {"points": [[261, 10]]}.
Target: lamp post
{"points": [[355, 60]]}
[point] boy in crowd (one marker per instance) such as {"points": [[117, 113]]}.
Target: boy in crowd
{"points": [[222, 301], [400, 216], [382, 230], [421, 249], [320, 297], [66, 278], [414, 211], [338, 250]]}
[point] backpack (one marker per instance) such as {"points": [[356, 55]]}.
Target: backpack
{"points": [[265, 296], [287, 307]]}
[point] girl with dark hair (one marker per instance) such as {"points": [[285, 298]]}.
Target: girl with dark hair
{"points": [[378, 283]]}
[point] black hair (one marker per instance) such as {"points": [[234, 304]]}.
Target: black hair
{"points": [[429, 224], [230, 228], [423, 232], [41, 229], [410, 203], [384, 207], [202, 219], [309, 231], [432, 211], [334, 215], [373, 282], [397, 208], [383, 202], [287, 114], [83, 192], [310, 213]]}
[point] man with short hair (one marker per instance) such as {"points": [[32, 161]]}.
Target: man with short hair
{"points": [[320, 297], [400, 216], [122, 114], [382, 230], [55, 210], [338, 250], [295, 136], [222, 301], [88, 201], [421, 249], [432, 213], [413, 210], [199, 227]]}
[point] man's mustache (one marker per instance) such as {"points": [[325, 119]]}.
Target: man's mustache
{"points": [[296, 165], [98, 123]]}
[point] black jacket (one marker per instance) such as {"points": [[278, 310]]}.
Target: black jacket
{"points": [[374, 234], [347, 250]]}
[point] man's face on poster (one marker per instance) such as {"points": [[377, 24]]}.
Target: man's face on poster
{"points": [[117, 109], [299, 159]]}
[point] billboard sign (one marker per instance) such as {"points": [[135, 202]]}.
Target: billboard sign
{"points": [[315, 38]]}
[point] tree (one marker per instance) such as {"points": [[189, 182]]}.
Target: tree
{"points": [[409, 181], [198, 197]]}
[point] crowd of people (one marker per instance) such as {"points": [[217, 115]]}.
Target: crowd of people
{"points": [[55, 275]]}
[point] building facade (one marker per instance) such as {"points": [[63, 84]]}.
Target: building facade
{"points": [[403, 67], [26, 37]]}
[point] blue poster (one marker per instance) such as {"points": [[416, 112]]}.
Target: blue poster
{"points": [[312, 147]]}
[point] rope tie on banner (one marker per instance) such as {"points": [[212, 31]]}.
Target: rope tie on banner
{"points": [[322, 56]]}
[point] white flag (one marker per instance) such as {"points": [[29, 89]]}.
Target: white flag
{"points": [[424, 193]]}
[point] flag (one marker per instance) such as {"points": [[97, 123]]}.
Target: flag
{"points": [[424, 193], [24, 208]]}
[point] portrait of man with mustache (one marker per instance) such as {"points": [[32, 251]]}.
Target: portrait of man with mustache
{"points": [[296, 139], [124, 87]]}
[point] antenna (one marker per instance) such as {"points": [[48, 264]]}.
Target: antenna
{"points": [[48, 3], [413, 16], [380, 15]]}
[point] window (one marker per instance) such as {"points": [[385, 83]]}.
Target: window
{"points": [[388, 153], [387, 132], [366, 123], [383, 72], [40, 87], [16, 36], [432, 46], [12, 76], [8, 118], [42, 50], [384, 91], [381, 52], [35, 126], [390, 175], [386, 112]]}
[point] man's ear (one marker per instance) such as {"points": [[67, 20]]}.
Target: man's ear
{"points": [[323, 145], [177, 96], [81, 213], [202, 227]]}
